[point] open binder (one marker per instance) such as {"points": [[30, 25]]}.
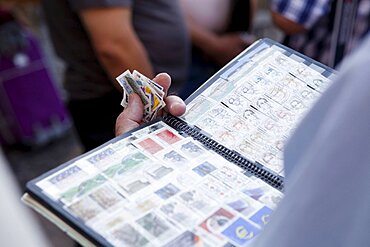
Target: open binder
{"points": [[211, 177]]}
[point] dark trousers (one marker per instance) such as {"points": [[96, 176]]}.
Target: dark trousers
{"points": [[94, 119]]}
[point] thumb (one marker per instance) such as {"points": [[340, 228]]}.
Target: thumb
{"points": [[131, 116]]}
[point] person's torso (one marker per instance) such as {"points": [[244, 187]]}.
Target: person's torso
{"points": [[159, 25]]}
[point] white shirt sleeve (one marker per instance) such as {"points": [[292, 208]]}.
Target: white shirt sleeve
{"points": [[18, 228], [327, 197]]}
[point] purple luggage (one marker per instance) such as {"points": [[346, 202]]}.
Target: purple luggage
{"points": [[31, 109]]}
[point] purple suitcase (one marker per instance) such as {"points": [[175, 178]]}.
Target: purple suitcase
{"points": [[31, 109]]}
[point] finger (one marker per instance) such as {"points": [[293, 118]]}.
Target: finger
{"points": [[175, 105], [164, 80], [131, 117]]}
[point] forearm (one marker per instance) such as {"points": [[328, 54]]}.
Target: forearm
{"points": [[286, 25], [219, 48], [115, 42], [201, 38], [298, 15], [121, 55]]}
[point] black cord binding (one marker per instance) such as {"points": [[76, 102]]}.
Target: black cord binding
{"points": [[255, 169]]}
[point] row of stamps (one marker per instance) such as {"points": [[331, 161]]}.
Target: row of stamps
{"points": [[255, 110], [157, 187]]}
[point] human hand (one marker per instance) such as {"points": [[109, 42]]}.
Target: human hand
{"points": [[132, 115]]}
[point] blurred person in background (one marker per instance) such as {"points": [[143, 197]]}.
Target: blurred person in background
{"points": [[99, 39], [219, 30], [314, 28]]}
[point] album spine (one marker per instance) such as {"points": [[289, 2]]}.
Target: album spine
{"points": [[253, 168]]}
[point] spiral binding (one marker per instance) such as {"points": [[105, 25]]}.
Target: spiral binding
{"points": [[255, 169]]}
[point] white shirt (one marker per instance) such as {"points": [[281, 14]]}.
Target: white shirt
{"points": [[17, 227], [327, 164], [213, 15]]}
